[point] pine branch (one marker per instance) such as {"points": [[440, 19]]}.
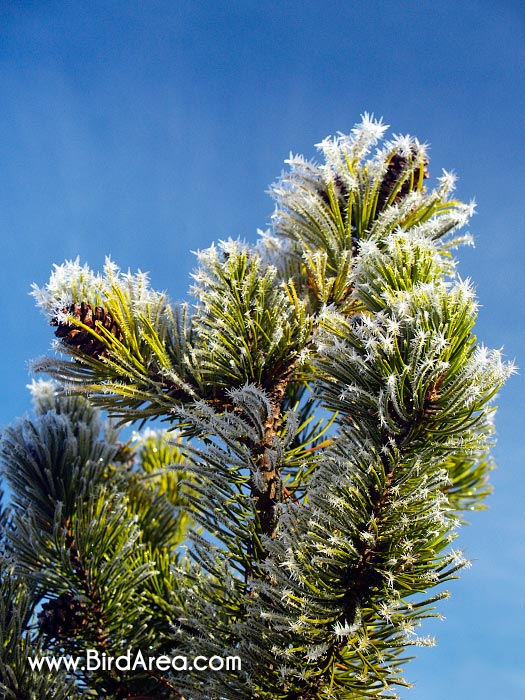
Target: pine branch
{"points": [[17, 681], [85, 554], [317, 549]]}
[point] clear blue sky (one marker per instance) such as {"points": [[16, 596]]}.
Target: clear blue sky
{"points": [[148, 129]]}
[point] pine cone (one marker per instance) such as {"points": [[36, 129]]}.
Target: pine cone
{"points": [[396, 168], [82, 339], [63, 617], [340, 191]]}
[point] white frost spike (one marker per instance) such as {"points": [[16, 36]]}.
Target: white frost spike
{"points": [[347, 629], [69, 281], [43, 394], [407, 145]]}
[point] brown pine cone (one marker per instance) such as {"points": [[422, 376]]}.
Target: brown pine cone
{"points": [[80, 338], [63, 617], [396, 168]]}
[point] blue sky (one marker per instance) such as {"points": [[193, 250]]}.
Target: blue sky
{"points": [[145, 130]]}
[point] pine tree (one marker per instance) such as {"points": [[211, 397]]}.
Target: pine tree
{"points": [[327, 422]]}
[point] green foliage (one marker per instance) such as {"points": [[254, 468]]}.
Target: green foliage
{"points": [[248, 328], [17, 680], [330, 420], [99, 521]]}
